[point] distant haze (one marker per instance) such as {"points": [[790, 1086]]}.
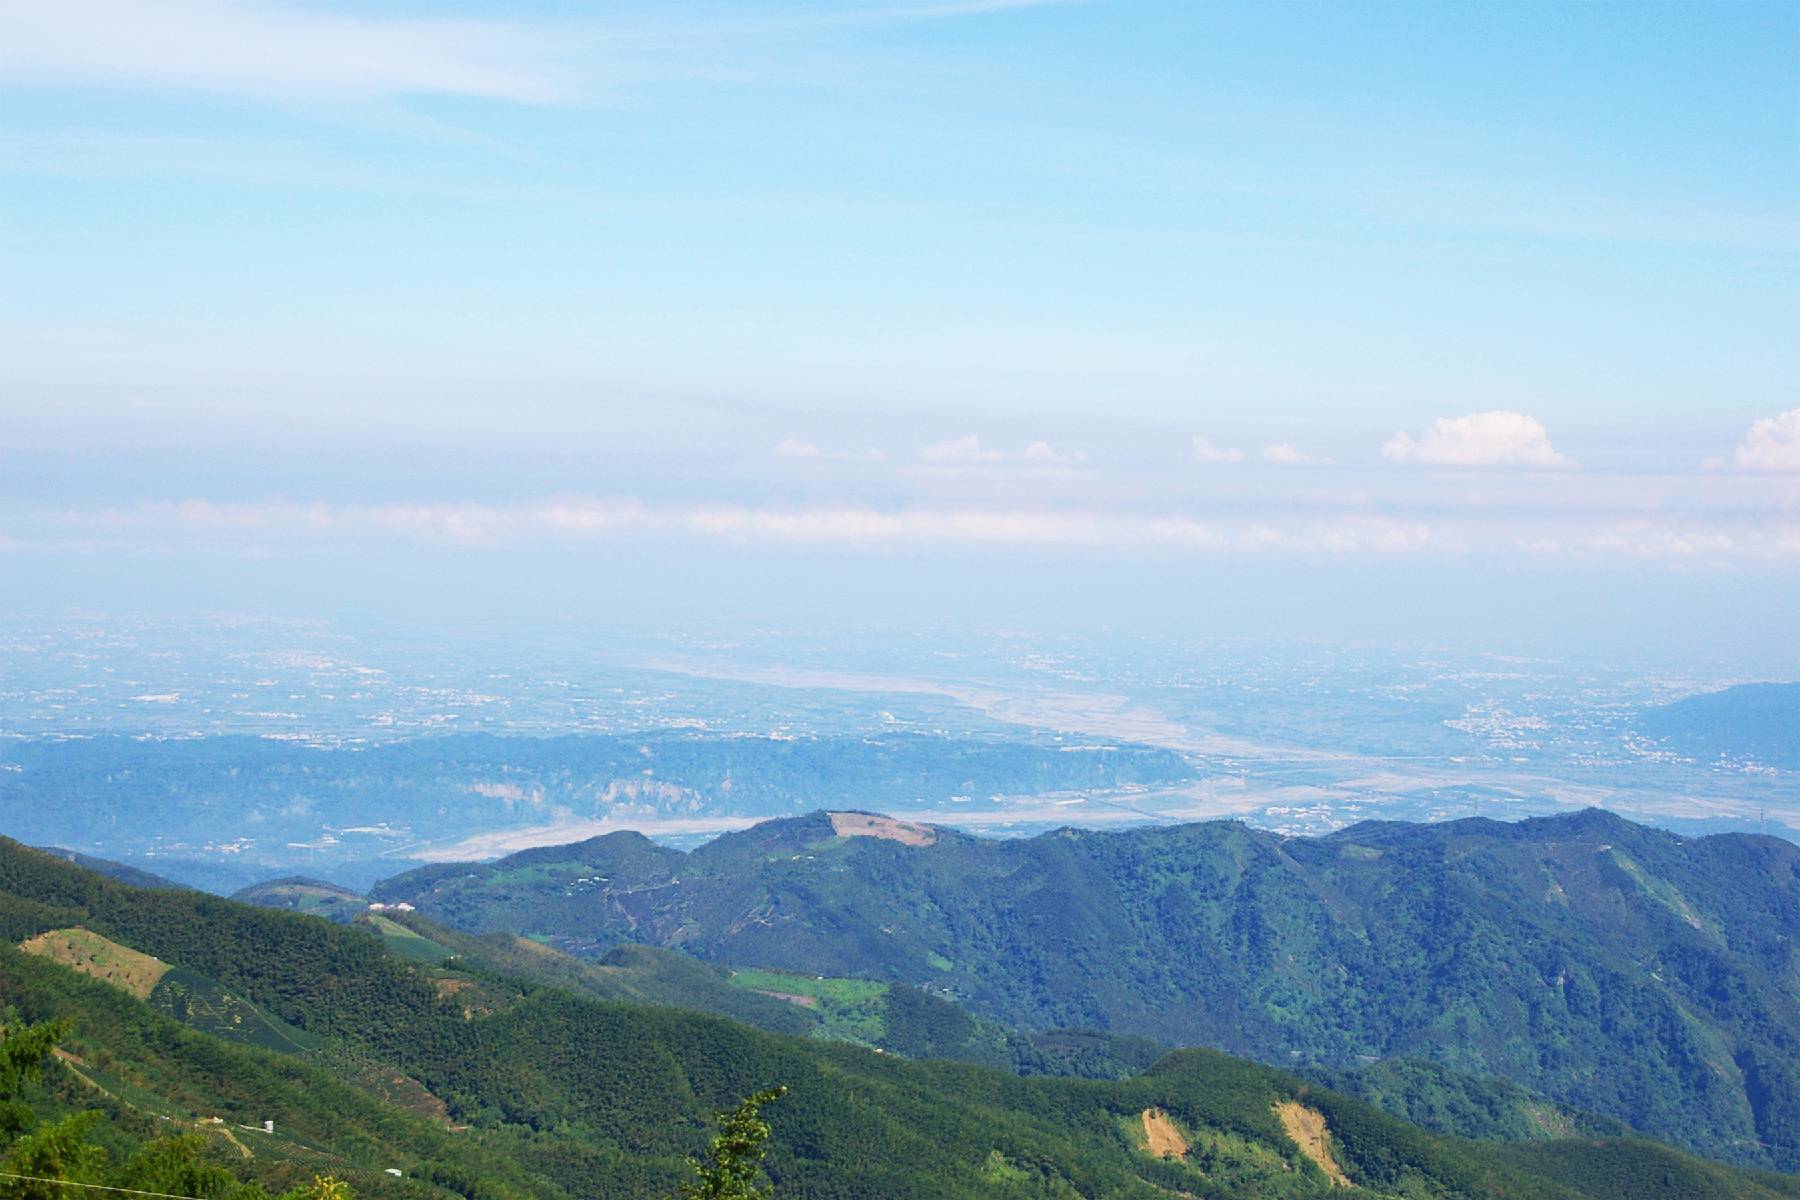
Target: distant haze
{"points": [[1464, 324]]}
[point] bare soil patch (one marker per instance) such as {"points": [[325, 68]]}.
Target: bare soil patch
{"points": [[1306, 1127], [1161, 1138], [791, 998], [848, 824]]}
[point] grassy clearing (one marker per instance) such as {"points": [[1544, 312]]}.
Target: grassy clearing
{"points": [[850, 1010], [404, 943], [95, 956]]}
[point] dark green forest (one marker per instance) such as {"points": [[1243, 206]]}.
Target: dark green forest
{"points": [[1613, 968], [477, 1084]]}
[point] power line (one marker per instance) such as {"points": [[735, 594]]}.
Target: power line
{"points": [[98, 1187]]}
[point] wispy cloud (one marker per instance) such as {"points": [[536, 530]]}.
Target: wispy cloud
{"points": [[1485, 439], [291, 51], [1206, 452], [1285, 454], [873, 14], [967, 450], [260, 49], [284, 526], [849, 526]]}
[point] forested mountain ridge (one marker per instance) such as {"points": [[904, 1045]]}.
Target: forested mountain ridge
{"points": [[113, 870], [474, 1085], [895, 1018], [130, 793], [298, 893], [1615, 968], [919, 1024], [890, 1016], [1751, 723]]}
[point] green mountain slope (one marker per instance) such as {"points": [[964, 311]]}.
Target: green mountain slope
{"points": [[112, 870], [1614, 968], [894, 1017], [633, 974], [297, 893], [151, 1075], [1434, 1097], [477, 1085], [1750, 723]]}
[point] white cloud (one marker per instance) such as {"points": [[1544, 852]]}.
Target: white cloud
{"points": [[1485, 439], [1043, 455], [1206, 452], [809, 525], [1049, 528], [583, 515], [288, 50], [968, 450], [1587, 525], [794, 448], [1770, 444], [250, 48], [1286, 455], [1673, 542], [469, 524]]}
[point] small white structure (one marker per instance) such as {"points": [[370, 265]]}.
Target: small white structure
{"points": [[268, 1127], [394, 1171]]}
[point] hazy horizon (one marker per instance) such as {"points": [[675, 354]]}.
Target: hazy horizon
{"points": [[1415, 324]]}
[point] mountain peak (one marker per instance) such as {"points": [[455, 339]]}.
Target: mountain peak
{"points": [[602, 848]]}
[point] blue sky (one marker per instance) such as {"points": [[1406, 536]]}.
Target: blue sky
{"points": [[1405, 294]]}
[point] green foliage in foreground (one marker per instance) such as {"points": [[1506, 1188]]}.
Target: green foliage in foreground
{"points": [[732, 1164], [56, 1159], [527, 1091]]}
